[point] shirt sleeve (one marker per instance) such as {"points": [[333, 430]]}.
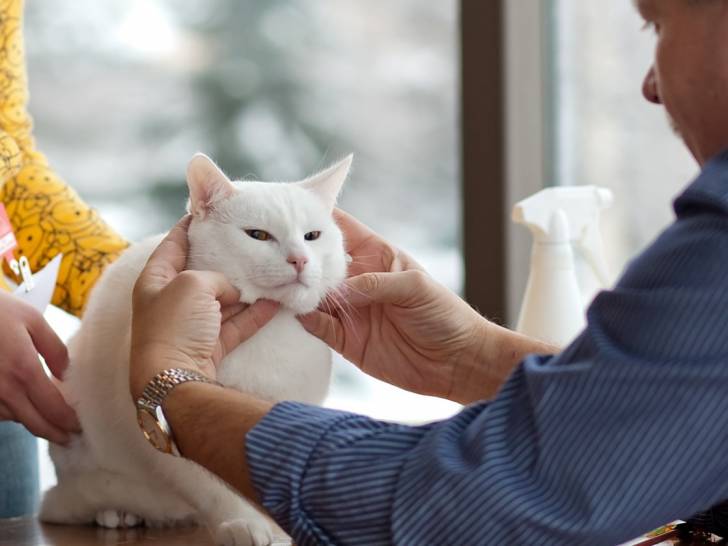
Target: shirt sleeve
{"points": [[625, 430]]}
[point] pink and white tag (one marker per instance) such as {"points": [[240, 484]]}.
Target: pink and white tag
{"points": [[37, 290]]}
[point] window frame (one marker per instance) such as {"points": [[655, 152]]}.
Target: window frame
{"points": [[507, 155]]}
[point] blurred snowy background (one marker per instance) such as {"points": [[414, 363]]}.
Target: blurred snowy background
{"points": [[123, 92]]}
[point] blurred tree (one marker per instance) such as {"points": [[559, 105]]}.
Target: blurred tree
{"points": [[249, 98]]}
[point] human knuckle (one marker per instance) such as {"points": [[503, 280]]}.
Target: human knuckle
{"points": [[190, 279], [62, 351], [30, 316], [5, 391], [418, 278], [372, 281], [139, 292], [389, 255], [36, 429], [23, 373]]}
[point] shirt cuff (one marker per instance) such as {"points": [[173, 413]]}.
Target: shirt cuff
{"points": [[278, 451]]}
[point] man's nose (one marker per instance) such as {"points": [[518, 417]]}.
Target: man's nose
{"points": [[298, 262], [649, 87]]}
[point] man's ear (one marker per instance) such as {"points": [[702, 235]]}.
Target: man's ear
{"points": [[327, 184], [207, 184]]}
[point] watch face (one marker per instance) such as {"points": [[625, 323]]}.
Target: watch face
{"points": [[153, 432]]}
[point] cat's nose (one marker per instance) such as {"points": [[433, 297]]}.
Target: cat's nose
{"points": [[299, 262]]}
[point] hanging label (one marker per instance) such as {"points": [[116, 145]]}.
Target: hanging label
{"points": [[44, 284], [26, 274], [7, 238]]}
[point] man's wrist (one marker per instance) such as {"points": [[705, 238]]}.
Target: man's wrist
{"points": [[468, 380], [210, 425], [146, 365], [493, 355]]}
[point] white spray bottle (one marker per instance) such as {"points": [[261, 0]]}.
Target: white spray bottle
{"points": [[562, 220]]}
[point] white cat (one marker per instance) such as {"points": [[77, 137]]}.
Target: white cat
{"points": [[271, 240]]}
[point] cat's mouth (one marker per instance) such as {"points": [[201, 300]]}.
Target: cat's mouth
{"points": [[295, 282]]}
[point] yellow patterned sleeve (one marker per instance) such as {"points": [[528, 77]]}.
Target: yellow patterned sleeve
{"points": [[47, 215]]}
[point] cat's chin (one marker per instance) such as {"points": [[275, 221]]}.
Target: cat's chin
{"points": [[296, 298]]}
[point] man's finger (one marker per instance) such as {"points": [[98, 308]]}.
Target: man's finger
{"points": [[50, 403], [355, 233], [170, 257], [325, 327], [395, 288], [48, 344], [5, 413], [26, 413], [245, 324], [230, 310]]}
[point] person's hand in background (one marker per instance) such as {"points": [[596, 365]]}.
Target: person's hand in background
{"points": [[399, 325], [27, 394], [186, 319]]}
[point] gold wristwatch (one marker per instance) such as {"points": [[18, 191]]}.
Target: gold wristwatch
{"points": [[149, 406]]}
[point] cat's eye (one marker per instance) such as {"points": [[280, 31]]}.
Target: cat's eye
{"points": [[312, 235], [259, 234]]}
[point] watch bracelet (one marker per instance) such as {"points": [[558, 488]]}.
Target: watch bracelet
{"points": [[161, 385]]}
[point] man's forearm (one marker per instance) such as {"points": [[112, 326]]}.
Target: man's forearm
{"points": [[210, 424], [481, 373]]}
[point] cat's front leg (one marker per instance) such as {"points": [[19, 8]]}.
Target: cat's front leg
{"points": [[231, 519], [252, 530], [112, 500]]}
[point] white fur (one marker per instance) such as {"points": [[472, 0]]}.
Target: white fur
{"points": [[110, 474]]}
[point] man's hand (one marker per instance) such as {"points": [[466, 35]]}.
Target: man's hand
{"points": [[395, 322], [27, 394], [399, 325], [186, 319]]}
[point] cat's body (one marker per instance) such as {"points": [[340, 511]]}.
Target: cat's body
{"points": [[111, 474]]}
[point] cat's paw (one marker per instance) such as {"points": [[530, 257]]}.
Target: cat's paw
{"points": [[113, 519], [61, 506], [244, 532]]}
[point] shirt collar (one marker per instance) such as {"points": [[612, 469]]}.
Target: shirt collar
{"points": [[711, 185]]}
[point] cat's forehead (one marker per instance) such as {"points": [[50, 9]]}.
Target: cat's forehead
{"points": [[275, 204]]}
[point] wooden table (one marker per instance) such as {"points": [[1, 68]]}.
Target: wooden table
{"points": [[29, 532]]}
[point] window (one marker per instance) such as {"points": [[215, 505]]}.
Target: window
{"points": [[606, 133], [124, 92]]}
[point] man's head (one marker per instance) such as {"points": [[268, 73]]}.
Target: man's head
{"points": [[689, 75]]}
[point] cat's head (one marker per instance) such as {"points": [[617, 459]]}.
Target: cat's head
{"points": [[271, 240]]}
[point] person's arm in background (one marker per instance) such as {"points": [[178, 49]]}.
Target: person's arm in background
{"points": [[48, 216], [27, 394]]}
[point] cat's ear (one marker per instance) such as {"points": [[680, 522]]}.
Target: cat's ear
{"points": [[207, 184], [327, 184]]}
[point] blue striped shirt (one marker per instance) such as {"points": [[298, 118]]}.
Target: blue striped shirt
{"points": [[623, 431]]}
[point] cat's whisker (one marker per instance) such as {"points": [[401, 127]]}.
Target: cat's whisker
{"points": [[330, 313], [345, 315]]}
